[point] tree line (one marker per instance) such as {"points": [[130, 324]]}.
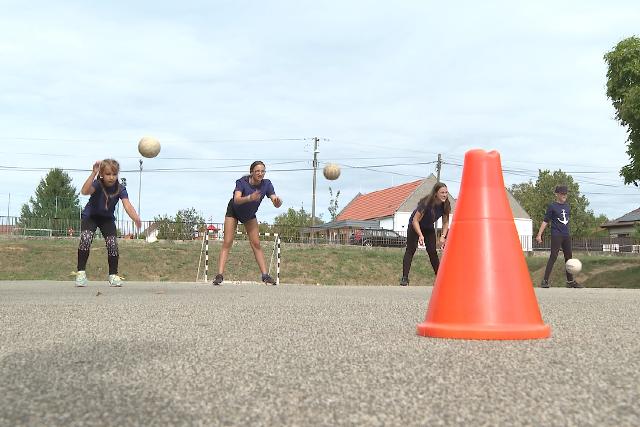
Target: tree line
{"points": [[47, 204]]}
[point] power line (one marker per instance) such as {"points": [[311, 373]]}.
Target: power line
{"points": [[211, 170], [219, 159], [613, 169], [115, 141]]}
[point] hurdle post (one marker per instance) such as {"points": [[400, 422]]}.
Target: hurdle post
{"points": [[277, 259], [206, 255]]}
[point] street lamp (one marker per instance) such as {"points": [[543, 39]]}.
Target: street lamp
{"points": [[140, 190]]}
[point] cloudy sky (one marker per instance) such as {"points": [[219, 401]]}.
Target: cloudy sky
{"points": [[385, 86]]}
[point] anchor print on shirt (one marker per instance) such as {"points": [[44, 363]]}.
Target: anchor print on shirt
{"points": [[564, 219]]}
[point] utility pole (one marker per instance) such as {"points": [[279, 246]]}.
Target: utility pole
{"points": [[438, 168], [123, 182], [315, 169], [8, 206]]}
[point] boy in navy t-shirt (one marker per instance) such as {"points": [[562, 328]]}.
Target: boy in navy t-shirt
{"points": [[558, 215]]}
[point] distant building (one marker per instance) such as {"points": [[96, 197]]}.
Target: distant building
{"points": [[390, 208], [623, 226]]}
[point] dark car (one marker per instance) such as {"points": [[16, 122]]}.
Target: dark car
{"points": [[378, 237]]}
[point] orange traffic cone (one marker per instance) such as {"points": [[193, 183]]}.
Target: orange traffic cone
{"points": [[483, 289]]}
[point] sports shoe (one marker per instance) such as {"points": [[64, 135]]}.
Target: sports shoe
{"points": [[404, 281], [544, 283], [81, 279], [268, 280], [115, 280], [574, 284], [217, 280]]}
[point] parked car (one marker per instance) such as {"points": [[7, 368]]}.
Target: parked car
{"points": [[378, 237]]}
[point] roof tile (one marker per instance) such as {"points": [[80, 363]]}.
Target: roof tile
{"points": [[378, 204]]}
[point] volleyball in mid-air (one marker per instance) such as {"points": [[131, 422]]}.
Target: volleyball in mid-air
{"points": [[149, 146], [331, 171], [573, 266]]}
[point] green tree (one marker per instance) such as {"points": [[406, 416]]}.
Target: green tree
{"points": [[288, 224], [597, 230], [333, 204], [623, 88], [182, 226], [534, 198], [265, 227], [55, 204], [164, 225]]}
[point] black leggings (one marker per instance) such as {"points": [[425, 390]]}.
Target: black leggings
{"points": [[558, 242], [88, 230], [412, 245]]}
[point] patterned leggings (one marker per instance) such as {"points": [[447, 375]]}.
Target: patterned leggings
{"points": [[88, 231]]}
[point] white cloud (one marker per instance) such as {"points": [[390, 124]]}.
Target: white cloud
{"points": [[377, 79]]}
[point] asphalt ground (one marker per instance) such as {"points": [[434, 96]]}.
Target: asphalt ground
{"points": [[248, 354]]}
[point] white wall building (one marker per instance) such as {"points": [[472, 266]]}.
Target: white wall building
{"points": [[392, 207]]}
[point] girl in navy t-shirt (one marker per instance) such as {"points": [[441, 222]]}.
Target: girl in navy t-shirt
{"points": [[105, 191], [247, 196], [421, 230]]}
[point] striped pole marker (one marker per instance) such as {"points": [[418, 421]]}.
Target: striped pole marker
{"points": [[277, 259], [206, 256]]}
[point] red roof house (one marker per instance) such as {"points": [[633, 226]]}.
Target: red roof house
{"points": [[378, 204]]}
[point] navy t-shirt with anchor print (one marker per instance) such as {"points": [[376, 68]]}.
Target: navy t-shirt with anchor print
{"points": [[557, 216]]}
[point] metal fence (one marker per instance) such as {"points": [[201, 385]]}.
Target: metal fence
{"points": [[13, 227], [55, 227], [596, 244]]}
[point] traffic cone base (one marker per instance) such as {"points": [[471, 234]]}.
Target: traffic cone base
{"points": [[498, 332]]}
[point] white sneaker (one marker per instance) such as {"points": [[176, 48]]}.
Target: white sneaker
{"points": [[81, 279], [115, 280]]}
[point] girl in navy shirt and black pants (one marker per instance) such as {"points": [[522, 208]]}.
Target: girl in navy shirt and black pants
{"points": [[105, 191], [421, 230]]}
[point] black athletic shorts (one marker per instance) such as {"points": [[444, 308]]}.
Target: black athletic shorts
{"points": [[231, 213]]}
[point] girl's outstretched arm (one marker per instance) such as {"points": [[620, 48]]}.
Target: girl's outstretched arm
{"points": [[131, 211], [276, 200], [87, 188], [416, 226], [239, 199], [445, 230]]}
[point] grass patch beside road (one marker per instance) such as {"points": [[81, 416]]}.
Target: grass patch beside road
{"points": [[55, 259]]}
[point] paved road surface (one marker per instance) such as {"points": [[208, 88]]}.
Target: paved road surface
{"points": [[187, 354]]}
